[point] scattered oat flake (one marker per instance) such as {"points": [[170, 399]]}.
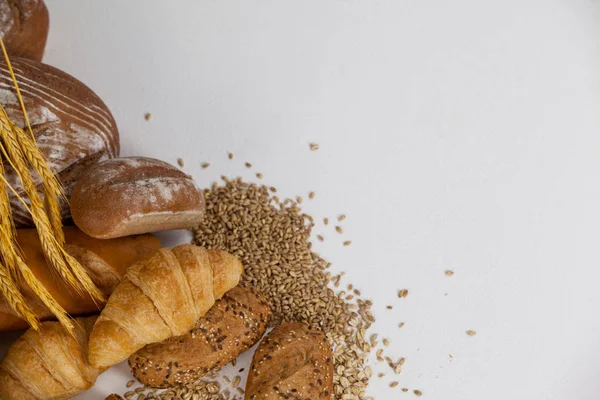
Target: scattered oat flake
{"points": [[401, 324], [130, 383], [418, 393], [259, 175], [381, 375], [393, 384], [230, 156], [311, 195], [386, 342], [341, 218], [403, 293], [449, 272], [248, 165], [339, 229], [180, 162], [347, 243], [320, 237], [325, 221], [389, 307], [147, 116], [405, 389], [205, 165], [471, 333], [299, 200], [313, 146]]}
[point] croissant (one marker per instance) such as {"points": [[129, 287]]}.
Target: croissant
{"points": [[161, 297], [48, 364]]}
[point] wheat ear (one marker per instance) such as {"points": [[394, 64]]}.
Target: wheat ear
{"points": [[80, 281], [15, 299]]}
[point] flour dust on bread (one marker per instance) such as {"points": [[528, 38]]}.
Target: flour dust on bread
{"points": [[73, 127], [133, 195], [24, 27]]}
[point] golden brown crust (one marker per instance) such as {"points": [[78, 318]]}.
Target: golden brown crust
{"points": [[49, 364], [233, 325], [132, 195], [294, 361], [24, 27], [105, 260], [155, 300]]}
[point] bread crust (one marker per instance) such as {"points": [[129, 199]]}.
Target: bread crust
{"points": [[72, 126], [133, 195], [105, 260], [294, 361], [233, 325], [24, 27]]}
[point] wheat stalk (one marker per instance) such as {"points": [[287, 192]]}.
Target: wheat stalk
{"points": [[20, 151]]}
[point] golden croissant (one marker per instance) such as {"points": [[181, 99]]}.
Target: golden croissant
{"points": [[49, 364], [161, 297]]}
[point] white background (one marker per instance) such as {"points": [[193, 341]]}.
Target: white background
{"points": [[457, 135]]}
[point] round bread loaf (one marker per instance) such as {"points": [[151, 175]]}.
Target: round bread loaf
{"points": [[24, 27], [233, 325], [294, 361], [131, 195], [73, 127]]}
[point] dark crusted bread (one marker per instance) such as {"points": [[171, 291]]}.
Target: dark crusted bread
{"points": [[294, 362]]}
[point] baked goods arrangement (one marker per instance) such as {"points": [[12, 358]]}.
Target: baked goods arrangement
{"points": [[180, 316]]}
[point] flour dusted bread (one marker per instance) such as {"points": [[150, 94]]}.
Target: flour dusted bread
{"points": [[49, 364], [73, 127], [104, 260], [294, 361], [161, 297], [132, 195], [233, 325], [24, 27]]}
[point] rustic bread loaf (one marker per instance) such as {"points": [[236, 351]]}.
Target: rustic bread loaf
{"points": [[72, 126], [233, 325], [24, 27], [105, 261], [133, 195], [294, 361]]}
